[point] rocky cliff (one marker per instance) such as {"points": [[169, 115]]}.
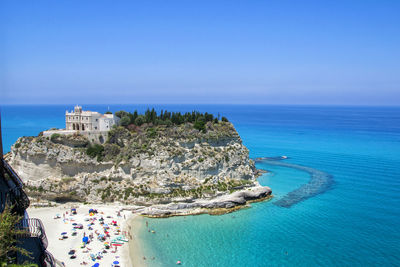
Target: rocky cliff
{"points": [[138, 165]]}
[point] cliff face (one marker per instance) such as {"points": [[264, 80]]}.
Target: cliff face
{"points": [[145, 164]]}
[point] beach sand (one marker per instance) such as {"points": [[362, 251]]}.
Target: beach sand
{"points": [[135, 250], [129, 254]]}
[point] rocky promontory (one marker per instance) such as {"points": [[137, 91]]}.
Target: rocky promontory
{"points": [[176, 168]]}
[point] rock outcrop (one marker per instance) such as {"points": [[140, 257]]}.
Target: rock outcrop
{"points": [[143, 165]]}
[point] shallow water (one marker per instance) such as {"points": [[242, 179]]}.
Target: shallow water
{"points": [[354, 223]]}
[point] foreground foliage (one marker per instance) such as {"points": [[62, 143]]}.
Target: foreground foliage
{"points": [[8, 233]]}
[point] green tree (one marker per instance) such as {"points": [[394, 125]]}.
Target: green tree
{"points": [[121, 114], [134, 117], [224, 119], [8, 233], [200, 124], [139, 120], [125, 121]]}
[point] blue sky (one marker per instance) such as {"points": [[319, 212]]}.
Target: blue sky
{"points": [[248, 52]]}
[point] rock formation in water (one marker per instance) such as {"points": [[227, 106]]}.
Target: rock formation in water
{"points": [[138, 165]]}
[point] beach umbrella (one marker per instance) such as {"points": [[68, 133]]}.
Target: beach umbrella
{"points": [[96, 264], [63, 233], [74, 224], [71, 252], [116, 262], [85, 239]]}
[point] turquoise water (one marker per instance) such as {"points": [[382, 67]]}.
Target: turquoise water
{"points": [[355, 223]]}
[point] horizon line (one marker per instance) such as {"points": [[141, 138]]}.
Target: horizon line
{"points": [[216, 104]]}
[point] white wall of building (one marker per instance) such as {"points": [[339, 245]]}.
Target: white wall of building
{"points": [[79, 120]]}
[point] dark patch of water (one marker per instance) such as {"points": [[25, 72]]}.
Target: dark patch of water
{"points": [[319, 183]]}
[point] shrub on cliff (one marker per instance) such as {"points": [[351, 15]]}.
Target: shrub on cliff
{"points": [[151, 133], [95, 150], [55, 136], [118, 135], [111, 151], [139, 120], [125, 121]]}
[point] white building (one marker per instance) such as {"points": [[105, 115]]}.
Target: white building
{"points": [[88, 121]]}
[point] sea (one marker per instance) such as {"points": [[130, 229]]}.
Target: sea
{"points": [[353, 221]]}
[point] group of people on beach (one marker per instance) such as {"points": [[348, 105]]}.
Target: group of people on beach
{"points": [[97, 230]]}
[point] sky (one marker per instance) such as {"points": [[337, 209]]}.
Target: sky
{"points": [[327, 52]]}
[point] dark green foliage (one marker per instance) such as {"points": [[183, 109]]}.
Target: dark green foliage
{"points": [[167, 118], [54, 136], [125, 121], [224, 119], [200, 124], [108, 112], [151, 133], [8, 233], [111, 150], [17, 145], [95, 150], [118, 135], [208, 117], [134, 116], [120, 114], [140, 120]]}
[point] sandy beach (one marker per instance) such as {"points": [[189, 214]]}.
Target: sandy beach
{"points": [[63, 243]]}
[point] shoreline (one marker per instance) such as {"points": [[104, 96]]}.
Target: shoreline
{"points": [[135, 249], [129, 220]]}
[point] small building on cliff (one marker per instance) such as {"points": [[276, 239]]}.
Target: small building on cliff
{"points": [[81, 120]]}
